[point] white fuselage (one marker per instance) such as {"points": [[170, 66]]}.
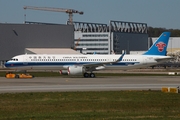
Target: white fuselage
{"points": [[57, 62]]}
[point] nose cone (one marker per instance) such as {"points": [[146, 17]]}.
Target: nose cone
{"points": [[7, 64]]}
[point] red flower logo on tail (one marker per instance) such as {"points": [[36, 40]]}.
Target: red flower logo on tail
{"points": [[160, 46]]}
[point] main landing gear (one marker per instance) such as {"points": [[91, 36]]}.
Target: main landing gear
{"points": [[91, 75]]}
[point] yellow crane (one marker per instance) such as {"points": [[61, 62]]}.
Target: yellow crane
{"points": [[68, 11]]}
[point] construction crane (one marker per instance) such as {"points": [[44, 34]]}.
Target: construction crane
{"points": [[69, 11]]}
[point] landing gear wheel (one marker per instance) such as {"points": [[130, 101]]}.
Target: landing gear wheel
{"points": [[86, 75], [92, 75]]}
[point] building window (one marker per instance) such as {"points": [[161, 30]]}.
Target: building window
{"points": [[95, 35]]}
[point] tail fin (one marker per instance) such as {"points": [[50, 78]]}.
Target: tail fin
{"points": [[160, 46]]}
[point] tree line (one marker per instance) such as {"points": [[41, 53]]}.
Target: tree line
{"points": [[155, 32]]}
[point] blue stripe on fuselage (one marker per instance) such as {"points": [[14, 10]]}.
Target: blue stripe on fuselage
{"points": [[21, 64]]}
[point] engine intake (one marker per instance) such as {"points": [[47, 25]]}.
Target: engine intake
{"points": [[64, 72]]}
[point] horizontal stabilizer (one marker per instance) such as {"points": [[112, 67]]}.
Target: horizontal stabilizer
{"points": [[163, 59]]}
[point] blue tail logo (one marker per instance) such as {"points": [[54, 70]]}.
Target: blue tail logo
{"points": [[160, 46]]}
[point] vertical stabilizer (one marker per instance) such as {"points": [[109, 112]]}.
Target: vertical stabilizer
{"points": [[160, 46]]}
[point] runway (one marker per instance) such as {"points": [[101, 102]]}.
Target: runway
{"points": [[53, 84]]}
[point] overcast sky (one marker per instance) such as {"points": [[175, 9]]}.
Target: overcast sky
{"points": [[156, 13]]}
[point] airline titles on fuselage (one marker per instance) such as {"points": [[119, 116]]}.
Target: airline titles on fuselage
{"points": [[63, 58], [53, 57]]}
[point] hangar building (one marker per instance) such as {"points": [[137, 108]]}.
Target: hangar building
{"points": [[113, 38], [15, 38]]}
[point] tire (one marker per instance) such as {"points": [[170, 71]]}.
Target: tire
{"points": [[86, 75], [92, 75]]}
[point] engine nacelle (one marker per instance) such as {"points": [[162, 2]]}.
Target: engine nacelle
{"points": [[64, 72], [73, 70]]}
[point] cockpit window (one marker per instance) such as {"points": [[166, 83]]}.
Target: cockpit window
{"points": [[14, 59]]}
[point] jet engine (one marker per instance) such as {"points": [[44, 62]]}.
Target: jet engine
{"points": [[73, 70]]}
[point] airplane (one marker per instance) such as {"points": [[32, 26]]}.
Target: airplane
{"points": [[86, 64]]}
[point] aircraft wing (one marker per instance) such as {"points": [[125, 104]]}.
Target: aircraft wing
{"points": [[104, 63]]}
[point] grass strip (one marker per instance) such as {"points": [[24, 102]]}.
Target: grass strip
{"points": [[107, 105]]}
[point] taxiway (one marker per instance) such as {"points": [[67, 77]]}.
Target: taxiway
{"points": [[53, 84]]}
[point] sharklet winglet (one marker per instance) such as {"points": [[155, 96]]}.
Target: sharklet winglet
{"points": [[121, 57]]}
